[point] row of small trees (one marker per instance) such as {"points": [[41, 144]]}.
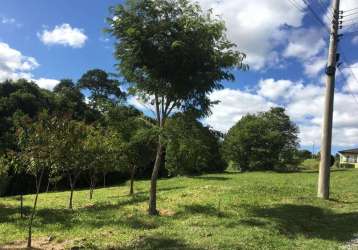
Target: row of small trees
{"points": [[62, 146], [173, 55]]}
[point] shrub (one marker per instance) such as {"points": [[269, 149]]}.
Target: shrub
{"points": [[310, 164], [265, 141], [346, 165]]}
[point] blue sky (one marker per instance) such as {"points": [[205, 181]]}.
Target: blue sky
{"points": [[286, 49]]}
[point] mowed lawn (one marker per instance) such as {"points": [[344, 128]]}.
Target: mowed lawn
{"points": [[260, 210]]}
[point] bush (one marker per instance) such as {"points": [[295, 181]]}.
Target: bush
{"points": [[265, 141], [4, 182], [192, 148], [346, 165], [4, 178], [310, 164]]}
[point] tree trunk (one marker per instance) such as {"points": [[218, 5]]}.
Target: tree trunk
{"points": [[92, 186], [71, 197], [71, 193], [21, 205], [131, 190], [38, 185], [153, 182], [91, 193], [104, 179], [48, 186]]}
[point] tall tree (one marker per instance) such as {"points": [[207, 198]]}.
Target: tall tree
{"points": [[19, 98], [104, 90], [174, 55], [70, 100]]}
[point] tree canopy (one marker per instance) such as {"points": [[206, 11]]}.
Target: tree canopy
{"points": [[173, 55], [264, 141]]}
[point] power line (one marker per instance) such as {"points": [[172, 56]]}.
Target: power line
{"points": [[350, 10], [350, 20], [351, 33], [352, 14], [323, 8], [315, 15], [349, 87], [349, 68], [347, 84], [352, 25], [296, 5]]}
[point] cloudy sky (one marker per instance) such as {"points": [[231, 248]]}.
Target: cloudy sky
{"points": [[286, 49]]}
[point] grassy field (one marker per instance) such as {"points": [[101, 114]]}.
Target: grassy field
{"points": [[221, 211]]}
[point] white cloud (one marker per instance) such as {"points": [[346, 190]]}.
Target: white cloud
{"points": [[303, 103], [304, 44], [234, 104], [274, 90], [256, 26], [64, 35], [355, 40], [5, 20], [46, 83], [14, 65], [308, 47], [314, 66], [351, 74]]}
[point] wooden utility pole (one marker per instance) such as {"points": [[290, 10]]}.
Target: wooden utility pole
{"points": [[326, 143]]}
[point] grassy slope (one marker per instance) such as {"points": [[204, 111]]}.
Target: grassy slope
{"points": [[223, 211]]}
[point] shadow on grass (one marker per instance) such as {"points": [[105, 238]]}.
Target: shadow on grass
{"points": [[145, 192], [343, 202], [208, 210], [8, 213], [310, 221], [159, 242], [95, 215], [211, 178]]}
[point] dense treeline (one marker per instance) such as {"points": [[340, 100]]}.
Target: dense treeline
{"points": [[104, 115]]}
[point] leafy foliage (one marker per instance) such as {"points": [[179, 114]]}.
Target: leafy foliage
{"points": [[104, 91], [173, 55], [264, 141], [191, 148]]}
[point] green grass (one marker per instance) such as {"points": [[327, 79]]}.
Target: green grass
{"points": [[310, 164], [221, 211]]}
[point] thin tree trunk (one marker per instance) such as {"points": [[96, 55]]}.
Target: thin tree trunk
{"points": [[131, 190], [38, 185], [153, 182], [71, 197], [91, 192], [71, 193], [21, 205], [92, 186], [104, 179], [48, 186]]}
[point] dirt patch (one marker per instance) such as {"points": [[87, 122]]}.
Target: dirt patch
{"points": [[166, 212], [353, 244], [42, 243]]}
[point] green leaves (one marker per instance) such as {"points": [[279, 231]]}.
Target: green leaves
{"points": [[191, 148], [267, 140], [105, 92], [173, 50]]}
